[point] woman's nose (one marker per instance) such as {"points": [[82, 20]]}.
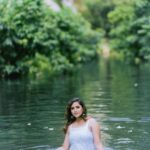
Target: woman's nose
{"points": [[75, 109]]}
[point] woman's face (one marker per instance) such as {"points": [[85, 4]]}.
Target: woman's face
{"points": [[76, 109]]}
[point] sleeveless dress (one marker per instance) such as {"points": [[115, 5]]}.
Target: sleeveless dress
{"points": [[81, 138]]}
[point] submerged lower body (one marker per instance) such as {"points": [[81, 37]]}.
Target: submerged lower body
{"points": [[61, 148], [82, 146]]}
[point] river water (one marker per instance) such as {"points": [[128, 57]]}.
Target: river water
{"points": [[116, 94]]}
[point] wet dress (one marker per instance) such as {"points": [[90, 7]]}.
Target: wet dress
{"points": [[81, 138]]}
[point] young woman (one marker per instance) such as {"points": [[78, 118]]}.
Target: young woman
{"points": [[82, 132]]}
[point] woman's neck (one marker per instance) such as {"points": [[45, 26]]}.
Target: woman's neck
{"points": [[79, 120]]}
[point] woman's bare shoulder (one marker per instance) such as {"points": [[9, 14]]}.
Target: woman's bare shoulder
{"points": [[91, 119], [70, 126]]}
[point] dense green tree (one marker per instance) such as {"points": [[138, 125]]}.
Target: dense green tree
{"points": [[30, 31], [130, 30]]}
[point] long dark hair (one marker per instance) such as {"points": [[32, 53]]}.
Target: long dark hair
{"points": [[68, 115]]}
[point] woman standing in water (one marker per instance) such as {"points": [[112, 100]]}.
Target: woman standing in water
{"points": [[82, 132]]}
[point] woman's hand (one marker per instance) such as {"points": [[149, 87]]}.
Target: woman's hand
{"points": [[96, 134]]}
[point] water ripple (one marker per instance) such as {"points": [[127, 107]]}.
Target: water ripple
{"points": [[144, 119], [118, 119], [124, 141]]}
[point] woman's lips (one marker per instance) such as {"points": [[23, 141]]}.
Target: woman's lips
{"points": [[75, 113]]}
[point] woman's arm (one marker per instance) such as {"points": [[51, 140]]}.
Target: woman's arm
{"points": [[96, 134], [66, 142], [65, 145]]}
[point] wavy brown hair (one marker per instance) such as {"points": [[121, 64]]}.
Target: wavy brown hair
{"points": [[68, 115]]}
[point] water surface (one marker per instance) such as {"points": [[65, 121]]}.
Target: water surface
{"points": [[116, 94]]}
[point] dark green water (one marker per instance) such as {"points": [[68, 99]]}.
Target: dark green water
{"points": [[117, 95]]}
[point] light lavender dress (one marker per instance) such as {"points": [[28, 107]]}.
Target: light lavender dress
{"points": [[81, 138]]}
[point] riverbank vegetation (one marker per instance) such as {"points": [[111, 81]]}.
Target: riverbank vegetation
{"points": [[35, 39], [126, 24]]}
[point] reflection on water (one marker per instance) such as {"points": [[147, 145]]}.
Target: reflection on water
{"points": [[117, 95]]}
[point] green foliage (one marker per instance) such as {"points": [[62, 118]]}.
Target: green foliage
{"points": [[60, 63], [130, 31], [125, 22], [74, 35], [38, 65], [31, 32], [96, 13]]}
